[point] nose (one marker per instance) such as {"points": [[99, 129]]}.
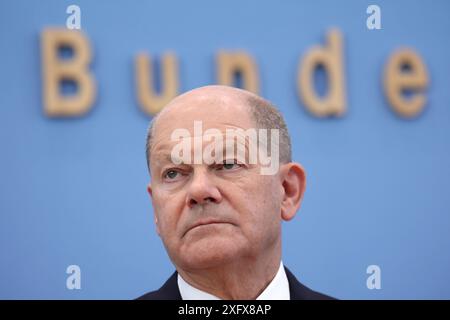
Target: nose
{"points": [[202, 189]]}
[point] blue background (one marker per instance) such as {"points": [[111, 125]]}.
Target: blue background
{"points": [[73, 191]]}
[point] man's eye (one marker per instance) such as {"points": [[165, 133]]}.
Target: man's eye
{"points": [[230, 164], [171, 174]]}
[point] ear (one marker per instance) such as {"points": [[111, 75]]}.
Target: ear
{"points": [[150, 192], [293, 181]]}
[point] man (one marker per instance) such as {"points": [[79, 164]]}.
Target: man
{"points": [[220, 220]]}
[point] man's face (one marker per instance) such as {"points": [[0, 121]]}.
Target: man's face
{"points": [[208, 214]]}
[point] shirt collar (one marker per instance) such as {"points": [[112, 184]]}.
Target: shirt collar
{"points": [[278, 289]]}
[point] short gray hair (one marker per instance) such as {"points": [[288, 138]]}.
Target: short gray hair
{"points": [[264, 114]]}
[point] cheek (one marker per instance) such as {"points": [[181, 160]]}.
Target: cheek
{"points": [[167, 210], [264, 190], [267, 219], [258, 204], [266, 204]]}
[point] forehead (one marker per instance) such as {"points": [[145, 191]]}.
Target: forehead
{"points": [[213, 111]]}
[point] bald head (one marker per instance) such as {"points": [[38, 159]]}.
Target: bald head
{"points": [[221, 103]]}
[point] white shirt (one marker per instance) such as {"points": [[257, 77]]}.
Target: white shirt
{"points": [[278, 289]]}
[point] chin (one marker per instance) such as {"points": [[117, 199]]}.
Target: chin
{"points": [[209, 252]]}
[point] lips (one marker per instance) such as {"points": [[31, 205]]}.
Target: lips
{"points": [[206, 222]]}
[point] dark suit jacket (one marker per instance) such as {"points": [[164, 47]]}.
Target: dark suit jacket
{"points": [[170, 291]]}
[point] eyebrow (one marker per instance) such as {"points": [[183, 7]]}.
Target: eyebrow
{"points": [[163, 157]]}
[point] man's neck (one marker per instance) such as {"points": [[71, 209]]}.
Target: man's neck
{"points": [[238, 280]]}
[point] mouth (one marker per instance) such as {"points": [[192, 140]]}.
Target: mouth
{"points": [[203, 223]]}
